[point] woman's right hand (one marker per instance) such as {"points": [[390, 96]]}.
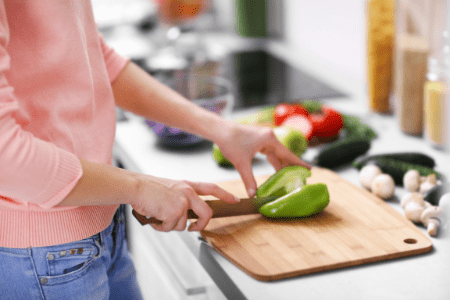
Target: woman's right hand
{"points": [[169, 200]]}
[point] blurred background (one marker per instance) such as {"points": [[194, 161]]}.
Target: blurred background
{"points": [[283, 50], [384, 61], [320, 38], [269, 51]]}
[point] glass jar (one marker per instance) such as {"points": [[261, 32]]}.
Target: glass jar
{"points": [[436, 104], [436, 96], [412, 50], [380, 48]]}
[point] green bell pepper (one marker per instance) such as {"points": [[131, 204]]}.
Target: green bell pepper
{"points": [[302, 202], [284, 181]]}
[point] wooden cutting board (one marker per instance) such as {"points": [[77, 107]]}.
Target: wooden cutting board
{"points": [[355, 228]]}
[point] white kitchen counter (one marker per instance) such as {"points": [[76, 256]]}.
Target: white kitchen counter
{"points": [[418, 277]]}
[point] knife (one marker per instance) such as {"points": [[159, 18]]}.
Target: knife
{"points": [[247, 206]]}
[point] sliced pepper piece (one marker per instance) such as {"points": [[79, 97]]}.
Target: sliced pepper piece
{"points": [[284, 181], [302, 202]]}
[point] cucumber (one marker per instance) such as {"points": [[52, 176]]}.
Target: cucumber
{"points": [[397, 169], [409, 157], [354, 127], [434, 194], [342, 152]]}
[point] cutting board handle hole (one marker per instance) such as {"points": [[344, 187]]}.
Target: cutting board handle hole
{"points": [[410, 241]]}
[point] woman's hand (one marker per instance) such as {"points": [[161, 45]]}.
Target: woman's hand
{"points": [[169, 200], [242, 142]]}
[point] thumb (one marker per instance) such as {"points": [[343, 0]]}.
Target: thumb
{"points": [[246, 173]]}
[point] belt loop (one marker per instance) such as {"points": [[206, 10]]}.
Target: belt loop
{"points": [[101, 237], [99, 245]]}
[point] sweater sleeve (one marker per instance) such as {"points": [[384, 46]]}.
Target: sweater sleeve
{"points": [[31, 170], [113, 61]]}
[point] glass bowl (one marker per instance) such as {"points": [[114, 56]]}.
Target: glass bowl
{"points": [[212, 93]]}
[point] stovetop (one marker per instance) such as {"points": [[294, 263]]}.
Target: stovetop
{"points": [[259, 79], [262, 79]]}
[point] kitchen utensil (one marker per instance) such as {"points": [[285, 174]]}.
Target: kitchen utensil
{"points": [[356, 228], [246, 206]]}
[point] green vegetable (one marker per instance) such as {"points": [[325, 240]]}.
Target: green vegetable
{"points": [[397, 168], [284, 181], [302, 202], [354, 127], [219, 158], [342, 152], [290, 137], [409, 157], [356, 140], [262, 116], [312, 106]]}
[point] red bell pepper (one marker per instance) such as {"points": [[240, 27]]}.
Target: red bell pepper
{"points": [[327, 123], [284, 111]]}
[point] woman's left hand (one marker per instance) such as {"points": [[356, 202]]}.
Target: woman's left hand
{"points": [[242, 142]]}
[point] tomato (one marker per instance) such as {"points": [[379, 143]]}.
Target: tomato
{"points": [[328, 123], [302, 124], [284, 111]]}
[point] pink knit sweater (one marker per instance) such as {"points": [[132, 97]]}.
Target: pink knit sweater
{"points": [[56, 106]]}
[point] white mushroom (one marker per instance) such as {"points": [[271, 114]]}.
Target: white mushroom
{"points": [[383, 186], [417, 197], [414, 205], [422, 179], [429, 182], [367, 175], [431, 218], [411, 181]]}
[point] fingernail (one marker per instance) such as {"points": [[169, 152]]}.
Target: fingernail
{"points": [[251, 192]]}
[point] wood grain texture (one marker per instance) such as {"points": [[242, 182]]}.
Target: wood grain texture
{"points": [[356, 228]]}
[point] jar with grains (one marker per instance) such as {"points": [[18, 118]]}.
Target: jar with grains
{"points": [[435, 101], [380, 47]]}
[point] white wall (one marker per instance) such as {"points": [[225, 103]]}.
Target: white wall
{"points": [[330, 39]]}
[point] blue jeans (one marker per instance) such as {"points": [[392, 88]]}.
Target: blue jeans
{"points": [[98, 267]]}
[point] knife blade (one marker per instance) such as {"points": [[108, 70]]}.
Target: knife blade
{"points": [[247, 206]]}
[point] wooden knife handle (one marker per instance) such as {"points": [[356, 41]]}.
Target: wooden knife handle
{"points": [[152, 220], [219, 208]]}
